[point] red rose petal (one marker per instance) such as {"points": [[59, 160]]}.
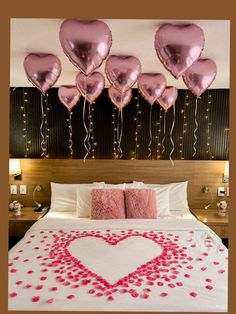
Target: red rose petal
{"points": [[54, 289], [28, 286], [110, 298], [13, 270], [43, 278], [193, 294], [13, 295], [35, 299], [203, 268], [208, 280], [19, 282], [221, 271], [159, 283], [91, 291], [145, 296], [30, 272], [171, 285], [187, 275], [39, 287], [71, 296], [49, 301], [216, 263], [209, 287], [164, 294], [179, 284]]}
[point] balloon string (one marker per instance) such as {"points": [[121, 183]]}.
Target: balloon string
{"points": [[89, 129], [164, 135], [70, 135], [41, 129], [173, 145], [84, 122], [121, 133], [195, 130], [150, 133]]}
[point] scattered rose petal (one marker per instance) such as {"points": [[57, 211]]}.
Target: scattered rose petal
{"points": [[49, 301], [209, 287], [179, 283], [13, 295], [204, 268], [35, 299], [39, 287], [13, 270], [208, 280], [43, 278], [19, 282], [193, 294], [110, 298], [28, 286], [30, 272], [221, 271], [71, 296], [164, 294]]}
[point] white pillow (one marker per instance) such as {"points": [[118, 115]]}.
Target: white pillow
{"points": [[177, 195], [134, 185], [64, 196], [83, 206], [162, 199]]}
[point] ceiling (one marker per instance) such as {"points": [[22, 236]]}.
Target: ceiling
{"points": [[129, 37]]}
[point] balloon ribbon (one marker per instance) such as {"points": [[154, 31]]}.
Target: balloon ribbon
{"points": [[150, 133], [119, 132], [164, 135], [43, 143], [173, 145], [195, 130], [70, 134]]}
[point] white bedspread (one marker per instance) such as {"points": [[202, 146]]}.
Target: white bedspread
{"points": [[168, 264]]}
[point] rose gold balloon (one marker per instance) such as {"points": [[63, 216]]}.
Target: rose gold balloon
{"points": [[200, 76], [122, 71], [42, 70], [69, 95], [151, 86], [85, 42], [119, 100], [178, 46], [168, 97], [90, 86]]}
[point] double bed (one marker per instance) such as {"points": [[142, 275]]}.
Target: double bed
{"points": [[65, 262]]}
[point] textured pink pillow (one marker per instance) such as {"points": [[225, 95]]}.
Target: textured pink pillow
{"points": [[140, 203], [108, 204]]}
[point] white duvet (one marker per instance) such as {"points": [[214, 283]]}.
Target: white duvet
{"points": [[78, 264]]}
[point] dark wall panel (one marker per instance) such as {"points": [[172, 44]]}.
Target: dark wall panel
{"points": [[212, 133]]}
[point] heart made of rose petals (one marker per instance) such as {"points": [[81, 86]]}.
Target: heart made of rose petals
{"points": [[114, 262]]}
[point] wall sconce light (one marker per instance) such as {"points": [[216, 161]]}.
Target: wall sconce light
{"points": [[226, 173], [15, 169]]}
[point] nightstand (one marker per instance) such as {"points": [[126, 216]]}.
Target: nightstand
{"points": [[210, 217], [19, 225]]}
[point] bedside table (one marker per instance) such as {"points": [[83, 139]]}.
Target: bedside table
{"points": [[19, 225], [210, 217]]}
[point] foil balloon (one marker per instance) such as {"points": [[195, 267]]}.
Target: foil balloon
{"points": [[122, 71], [151, 86], [85, 42], [178, 46], [119, 100], [69, 95], [42, 70], [200, 76], [90, 86], [168, 97]]}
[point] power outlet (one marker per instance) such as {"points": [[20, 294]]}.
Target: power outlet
{"points": [[13, 189], [221, 191], [23, 189]]}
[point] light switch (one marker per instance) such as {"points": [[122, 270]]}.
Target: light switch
{"points": [[221, 191], [13, 189], [22, 189]]}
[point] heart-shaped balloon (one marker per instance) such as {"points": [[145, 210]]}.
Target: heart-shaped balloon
{"points": [[151, 86], [168, 97], [90, 86], [42, 70], [119, 100], [178, 46], [69, 95], [122, 71], [200, 76], [85, 42]]}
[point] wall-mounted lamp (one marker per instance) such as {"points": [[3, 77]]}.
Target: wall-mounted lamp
{"points": [[15, 169], [226, 173]]}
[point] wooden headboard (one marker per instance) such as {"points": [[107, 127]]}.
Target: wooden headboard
{"points": [[43, 171]]}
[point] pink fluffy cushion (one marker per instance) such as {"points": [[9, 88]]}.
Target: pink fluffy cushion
{"points": [[140, 203], [108, 204]]}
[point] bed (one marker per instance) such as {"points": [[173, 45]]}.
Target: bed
{"points": [[65, 262]]}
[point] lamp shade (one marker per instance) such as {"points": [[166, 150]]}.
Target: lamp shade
{"points": [[14, 167]]}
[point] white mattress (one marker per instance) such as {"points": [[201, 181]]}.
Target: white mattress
{"points": [[72, 241]]}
